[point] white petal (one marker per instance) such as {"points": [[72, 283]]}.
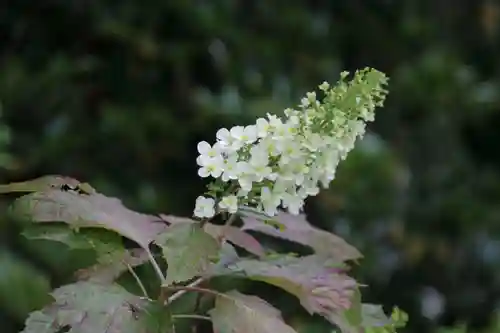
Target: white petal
{"points": [[203, 147]]}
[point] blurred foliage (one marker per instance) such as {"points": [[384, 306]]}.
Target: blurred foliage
{"points": [[119, 93]]}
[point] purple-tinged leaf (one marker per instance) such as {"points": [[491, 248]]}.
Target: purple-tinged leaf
{"points": [[87, 307], [238, 313], [320, 283], [80, 211], [297, 229]]}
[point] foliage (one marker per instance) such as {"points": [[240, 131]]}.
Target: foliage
{"points": [[195, 251]]}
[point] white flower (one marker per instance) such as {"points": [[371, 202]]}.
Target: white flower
{"points": [[263, 127], [205, 207], [246, 176], [244, 135], [270, 201], [293, 202], [270, 145], [210, 166], [229, 203], [290, 150], [227, 141], [205, 149], [230, 168], [282, 161]]}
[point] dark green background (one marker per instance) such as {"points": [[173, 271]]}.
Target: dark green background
{"points": [[118, 93]]}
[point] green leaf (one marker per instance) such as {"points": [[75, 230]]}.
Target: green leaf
{"points": [[100, 240], [90, 308], [374, 316], [43, 183], [188, 250], [319, 282], [232, 234], [297, 229], [111, 266], [85, 211], [376, 321], [354, 315], [238, 313]]}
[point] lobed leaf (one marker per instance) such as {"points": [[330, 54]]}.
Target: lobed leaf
{"points": [[100, 240], [297, 229], [112, 265], [319, 282], [238, 313], [188, 250], [87, 307], [232, 234], [43, 183], [84, 211]]}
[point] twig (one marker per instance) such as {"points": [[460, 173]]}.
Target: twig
{"points": [[191, 316], [137, 279], [198, 289], [156, 266], [179, 293]]}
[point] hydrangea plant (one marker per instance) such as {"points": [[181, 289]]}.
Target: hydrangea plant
{"points": [[261, 175]]}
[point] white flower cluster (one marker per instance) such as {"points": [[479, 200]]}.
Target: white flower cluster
{"points": [[281, 161]]}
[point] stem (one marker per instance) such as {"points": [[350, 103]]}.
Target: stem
{"points": [[197, 289], [156, 266], [178, 294], [191, 316], [137, 279]]}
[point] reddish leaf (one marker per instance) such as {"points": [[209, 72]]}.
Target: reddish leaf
{"points": [[238, 313], [319, 283], [94, 210], [89, 308], [297, 229]]}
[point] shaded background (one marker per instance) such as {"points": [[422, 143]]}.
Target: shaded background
{"points": [[118, 93]]}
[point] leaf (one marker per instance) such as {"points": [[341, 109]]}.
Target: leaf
{"points": [[188, 250], [111, 266], [239, 313], [44, 183], [100, 240], [90, 308], [319, 282], [297, 229], [233, 234], [374, 316], [376, 321], [84, 211]]}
